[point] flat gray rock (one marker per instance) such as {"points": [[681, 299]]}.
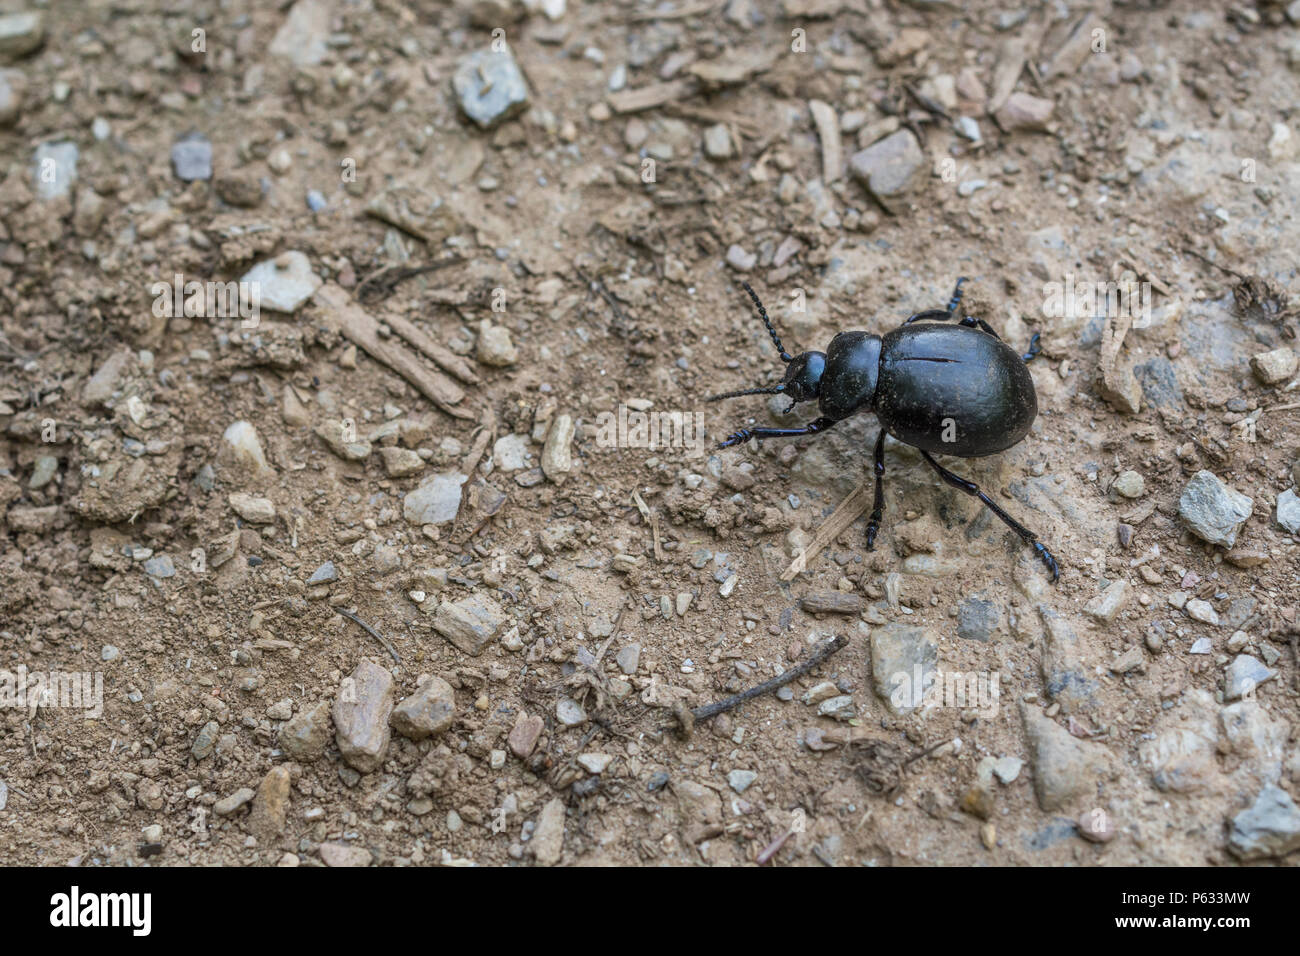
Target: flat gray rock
{"points": [[888, 167], [1269, 828], [1212, 510], [490, 87]]}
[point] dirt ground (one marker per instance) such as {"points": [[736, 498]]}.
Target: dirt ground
{"points": [[452, 313]]}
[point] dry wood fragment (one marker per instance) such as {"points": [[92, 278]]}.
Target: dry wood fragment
{"points": [[828, 130], [443, 357], [648, 97], [832, 602], [850, 509], [361, 328]]}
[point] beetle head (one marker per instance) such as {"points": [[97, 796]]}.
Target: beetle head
{"points": [[803, 376]]}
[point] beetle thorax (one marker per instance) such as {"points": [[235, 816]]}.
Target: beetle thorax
{"points": [[852, 373]]}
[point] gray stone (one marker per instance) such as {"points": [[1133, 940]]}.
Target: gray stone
{"points": [[55, 169], [1269, 828], [229, 805], [324, 574], [1159, 382], [241, 447], [569, 712], [251, 508], [739, 780], [1064, 673], [302, 38], [192, 158], [401, 462], [1106, 605], [548, 836], [1212, 510], [361, 712], [431, 710], [342, 439], [887, 168], [839, 708], [629, 658], [1023, 111], [205, 740], [903, 664], [1275, 367], [1007, 769], [495, 346], [1202, 611], [469, 624], [21, 33], [1243, 675], [13, 89], [340, 854], [1130, 484], [489, 87], [1065, 767], [717, 142], [270, 806], [436, 501], [977, 619], [284, 283], [160, 566], [557, 456], [510, 452], [1288, 511]]}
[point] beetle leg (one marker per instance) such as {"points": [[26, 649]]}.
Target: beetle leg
{"points": [[971, 323], [956, 296], [1034, 348], [931, 315], [971, 488], [942, 315], [878, 506], [745, 434]]}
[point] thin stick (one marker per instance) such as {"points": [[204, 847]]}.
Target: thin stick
{"points": [[824, 651], [371, 631], [849, 511]]}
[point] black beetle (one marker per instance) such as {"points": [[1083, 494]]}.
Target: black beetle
{"points": [[944, 389]]}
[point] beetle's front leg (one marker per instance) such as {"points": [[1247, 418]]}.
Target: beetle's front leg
{"points": [[745, 434], [878, 506]]}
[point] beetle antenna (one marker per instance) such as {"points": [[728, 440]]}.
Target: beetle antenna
{"points": [[776, 339], [765, 390]]}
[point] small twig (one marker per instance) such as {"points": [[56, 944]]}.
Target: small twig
{"points": [[712, 710], [1192, 252], [774, 847], [386, 278], [849, 510], [371, 631]]}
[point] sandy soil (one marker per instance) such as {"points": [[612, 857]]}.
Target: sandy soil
{"points": [[462, 311]]}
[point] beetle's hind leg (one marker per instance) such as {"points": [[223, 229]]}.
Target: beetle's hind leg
{"points": [[745, 434], [878, 506], [971, 488], [973, 323], [940, 315]]}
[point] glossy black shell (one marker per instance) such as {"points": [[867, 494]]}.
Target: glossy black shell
{"points": [[941, 381]]}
